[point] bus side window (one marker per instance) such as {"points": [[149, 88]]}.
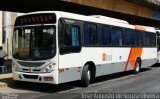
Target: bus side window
{"points": [[90, 34], [140, 38], [104, 35], [61, 33], [144, 39], [75, 36], [135, 38], [152, 39], [69, 38], [147, 39], [128, 37], [117, 36]]}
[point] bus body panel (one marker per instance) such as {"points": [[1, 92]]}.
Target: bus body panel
{"points": [[149, 56], [54, 74], [116, 59], [105, 59], [113, 63], [70, 66], [29, 71]]}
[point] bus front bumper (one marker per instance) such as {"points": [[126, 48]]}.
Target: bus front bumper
{"points": [[51, 78]]}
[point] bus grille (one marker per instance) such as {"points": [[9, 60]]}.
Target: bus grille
{"points": [[30, 64], [30, 76]]}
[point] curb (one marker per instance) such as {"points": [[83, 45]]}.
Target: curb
{"points": [[3, 78], [2, 84]]}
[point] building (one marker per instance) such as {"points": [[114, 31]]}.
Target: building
{"points": [[6, 30]]}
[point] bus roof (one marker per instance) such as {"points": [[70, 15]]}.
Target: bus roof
{"points": [[92, 18], [109, 18], [109, 21], [145, 28], [98, 19]]}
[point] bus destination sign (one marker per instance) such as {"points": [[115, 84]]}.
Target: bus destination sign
{"points": [[36, 19]]}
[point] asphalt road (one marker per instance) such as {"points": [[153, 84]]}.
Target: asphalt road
{"points": [[146, 84]]}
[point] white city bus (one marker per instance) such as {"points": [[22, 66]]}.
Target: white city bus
{"points": [[57, 47]]}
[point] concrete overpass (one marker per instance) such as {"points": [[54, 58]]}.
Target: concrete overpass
{"points": [[142, 12], [135, 11]]}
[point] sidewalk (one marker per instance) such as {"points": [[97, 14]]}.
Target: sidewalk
{"points": [[6, 79], [3, 79], [4, 76]]}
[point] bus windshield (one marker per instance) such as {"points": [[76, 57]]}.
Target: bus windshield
{"points": [[34, 42]]}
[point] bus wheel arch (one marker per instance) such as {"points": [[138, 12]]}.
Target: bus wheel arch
{"points": [[88, 73]]}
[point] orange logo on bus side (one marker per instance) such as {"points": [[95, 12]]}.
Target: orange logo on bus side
{"points": [[106, 57]]}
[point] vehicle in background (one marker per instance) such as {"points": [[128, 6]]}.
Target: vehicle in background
{"points": [[158, 45]]}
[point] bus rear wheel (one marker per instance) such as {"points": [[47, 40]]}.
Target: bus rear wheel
{"points": [[86, 76], [137, 67]]}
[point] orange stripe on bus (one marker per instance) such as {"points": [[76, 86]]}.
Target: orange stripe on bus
{"points": [[134, 53], [142, 28]]}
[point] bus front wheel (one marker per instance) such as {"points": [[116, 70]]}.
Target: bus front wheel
{"points": [[86, 76]]}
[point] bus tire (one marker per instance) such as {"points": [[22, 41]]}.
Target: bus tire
{"points": [[86, 76], [137, 67]]}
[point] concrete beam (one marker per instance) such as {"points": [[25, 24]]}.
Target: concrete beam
{"points": [[122, 6], [121, 9]]}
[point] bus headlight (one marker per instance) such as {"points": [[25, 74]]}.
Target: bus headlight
{"points": [[48, 69], [15, 67]]}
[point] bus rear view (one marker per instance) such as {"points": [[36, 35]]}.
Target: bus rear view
{"points": [[34, 48]]}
